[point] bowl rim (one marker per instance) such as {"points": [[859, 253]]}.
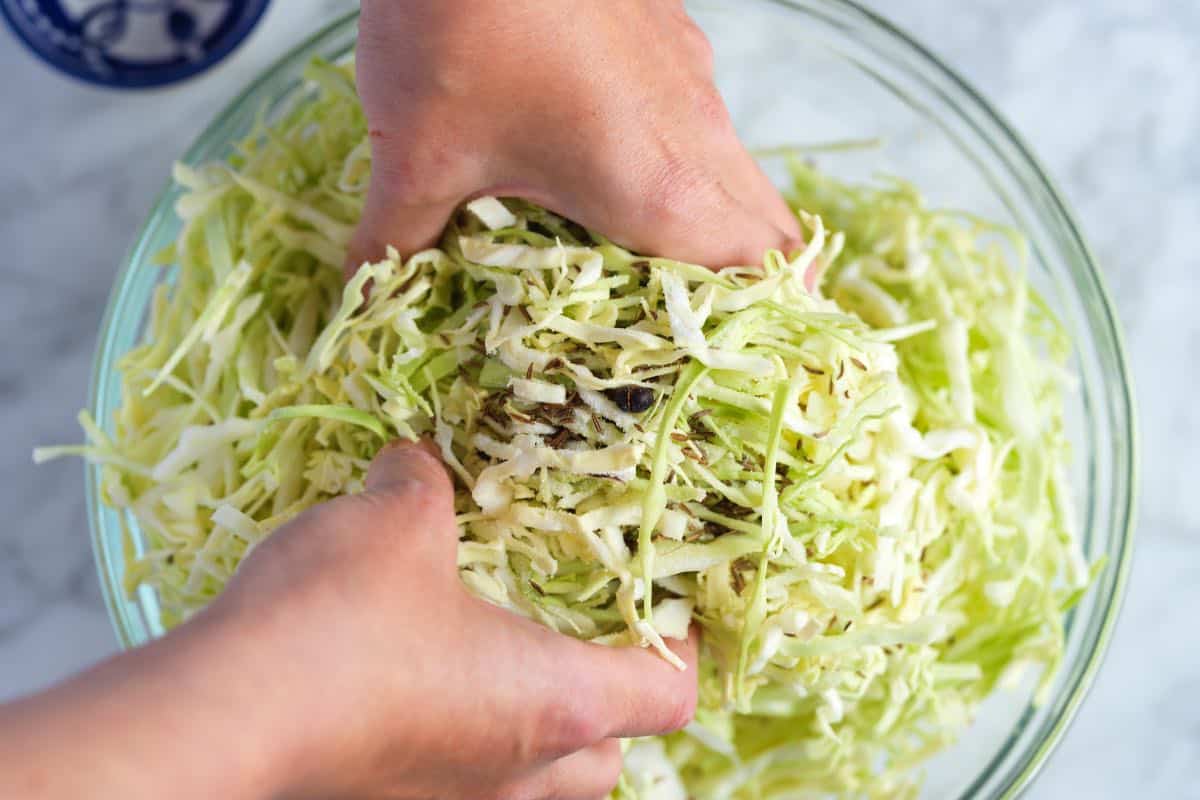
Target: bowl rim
{"points": [[105, 344], [1124, 508]]}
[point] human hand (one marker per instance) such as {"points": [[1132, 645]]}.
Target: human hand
{"points": [[345, 659], [392, 681], [601, 110]]}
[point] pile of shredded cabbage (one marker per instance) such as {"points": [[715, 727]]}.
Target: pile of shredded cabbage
{"points": [[858, 493]]}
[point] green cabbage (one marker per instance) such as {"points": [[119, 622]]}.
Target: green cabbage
{"points": [[858, 495]]}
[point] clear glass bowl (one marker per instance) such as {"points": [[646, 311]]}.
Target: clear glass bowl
{"points": [[798, 71]]}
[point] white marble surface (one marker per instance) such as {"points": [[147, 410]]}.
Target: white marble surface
{"points": [[1107, 92]]}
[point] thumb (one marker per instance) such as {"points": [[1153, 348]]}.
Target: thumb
{"points": [[404, 466], [408, 486], [630, 691]]}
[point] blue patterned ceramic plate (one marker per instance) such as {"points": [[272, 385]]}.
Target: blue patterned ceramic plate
{"points": [[132, 43]]}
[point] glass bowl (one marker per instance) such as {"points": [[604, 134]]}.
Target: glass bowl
{"points": [[803, 71]]}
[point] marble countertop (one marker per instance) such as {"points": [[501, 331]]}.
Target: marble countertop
{"points": [[1108, 94]]}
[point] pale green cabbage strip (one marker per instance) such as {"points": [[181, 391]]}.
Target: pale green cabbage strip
{"points": [[860, 499]]}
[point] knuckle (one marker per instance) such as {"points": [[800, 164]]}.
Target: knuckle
{"points": [[675, 700], [427, 496], [562, 726], [419, 167], [420, 506], [680, 711], [674, 184], [676, 176], [710, 107], [414, 479]]}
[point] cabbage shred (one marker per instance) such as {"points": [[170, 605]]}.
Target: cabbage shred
{"points": [[860, 498]]}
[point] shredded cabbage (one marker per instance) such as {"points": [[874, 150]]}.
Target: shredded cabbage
{"points": [[861, 499]]}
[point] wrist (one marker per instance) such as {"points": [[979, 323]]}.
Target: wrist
{"points": [[175, 718], [282, 693], [198, 703], [242, 702]]}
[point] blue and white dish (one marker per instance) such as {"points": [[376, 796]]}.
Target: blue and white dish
{"points": [[132, 43]]}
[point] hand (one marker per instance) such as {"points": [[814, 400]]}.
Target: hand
{"points": [[346, 659], [601, 110], [415, 689]]}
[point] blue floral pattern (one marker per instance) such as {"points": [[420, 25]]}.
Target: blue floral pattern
{"points": [[132, 43]]}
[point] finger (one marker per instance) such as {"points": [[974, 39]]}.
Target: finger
{"points": [[757, 194], [588, 774], [724, 232], [385, 222], [409, 495], [635, 691], [685, 215], [734, 168], [785, 234], [396, 217]]}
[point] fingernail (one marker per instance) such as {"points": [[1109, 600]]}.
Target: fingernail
{"points": [[378, 478]]}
